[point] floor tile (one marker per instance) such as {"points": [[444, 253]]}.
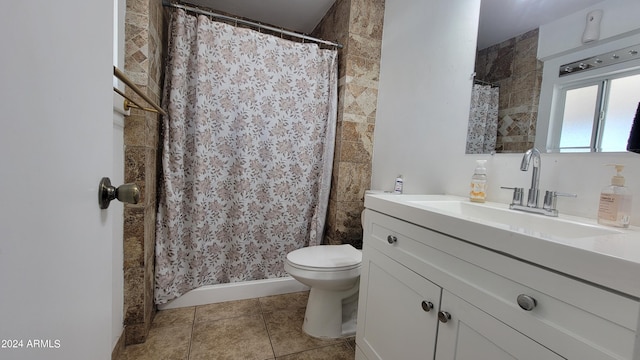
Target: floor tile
{"points": [[340, 351], [173, 317], [287, 337], [163, 343], [285, 301], [351, 341], [243, 337], [225, 310], [266, 328]]}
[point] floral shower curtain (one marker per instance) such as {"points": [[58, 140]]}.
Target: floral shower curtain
{"points": [[482, 132], [247, 154]]}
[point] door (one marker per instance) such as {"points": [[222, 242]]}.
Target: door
{"points": [[398, 320], [470, 334], [55, 145]]}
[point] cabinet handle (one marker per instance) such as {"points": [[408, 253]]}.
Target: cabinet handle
{"points": [[427, 306], [526, 302], [392, 239], [444, 316]]}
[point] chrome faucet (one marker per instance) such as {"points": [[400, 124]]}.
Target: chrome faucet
{"points": [[549, 208], [532, 154]]}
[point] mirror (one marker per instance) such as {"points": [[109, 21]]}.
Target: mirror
{"points": [[507, 64], [512, 74]]}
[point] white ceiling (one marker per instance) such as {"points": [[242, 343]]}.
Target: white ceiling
{"points": [[297, 15], [499, 19], [503, 19]]}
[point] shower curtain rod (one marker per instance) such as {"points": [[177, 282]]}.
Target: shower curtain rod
{"points": [[250, 23]]}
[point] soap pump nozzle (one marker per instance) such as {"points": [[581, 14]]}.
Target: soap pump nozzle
{"points": [[617, 179], [480, 167]]}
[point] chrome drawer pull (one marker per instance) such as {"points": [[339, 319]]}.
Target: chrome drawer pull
{"points": [[444, 316], [392, 239], [427, 306], [526, 302]]}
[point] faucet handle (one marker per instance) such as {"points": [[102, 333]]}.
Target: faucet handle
{"points": [[550, 198], [517, 194]]}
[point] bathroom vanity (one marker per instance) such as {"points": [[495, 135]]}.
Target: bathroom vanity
{"points": [[445, 278]]}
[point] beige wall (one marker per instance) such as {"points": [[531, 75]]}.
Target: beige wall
{"points": [[144, 36], [357, 25]]}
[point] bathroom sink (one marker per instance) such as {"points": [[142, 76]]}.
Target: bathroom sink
{"points": [[499, 215], [567, 244]]}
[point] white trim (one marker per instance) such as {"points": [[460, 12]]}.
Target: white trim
{"points": [[118, 106], [211, 294]]}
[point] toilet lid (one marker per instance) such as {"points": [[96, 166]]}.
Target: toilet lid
{"points": [[326, 256]]}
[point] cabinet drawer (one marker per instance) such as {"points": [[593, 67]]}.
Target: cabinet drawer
{"points": [[572, 318], [470, 333]]}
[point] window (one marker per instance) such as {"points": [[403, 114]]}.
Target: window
{"points": [[597, 114]]}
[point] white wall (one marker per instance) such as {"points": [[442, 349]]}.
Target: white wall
{"points": [[117, 178], [117, 210], [563, 35], [427, 60], [424, 92]]}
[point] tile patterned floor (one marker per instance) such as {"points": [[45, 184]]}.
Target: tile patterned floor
{"points": [[268, 328]]}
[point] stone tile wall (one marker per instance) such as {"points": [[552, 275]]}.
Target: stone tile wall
{"points": [[357, 25], [144, 35], [513, 64]]}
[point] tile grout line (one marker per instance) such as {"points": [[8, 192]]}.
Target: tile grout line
{"points": [[266, 310], [266, 327], [193, 328]]}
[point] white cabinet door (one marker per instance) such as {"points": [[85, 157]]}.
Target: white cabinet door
{"points": [[471, 334], [394, 322]]}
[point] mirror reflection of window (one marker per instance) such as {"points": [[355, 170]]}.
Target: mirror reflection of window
{"points": [[624, 96], [597, 117], [578, 118]]}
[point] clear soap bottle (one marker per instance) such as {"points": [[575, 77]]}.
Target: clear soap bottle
{"points": [[615, 202], [478, 191]]}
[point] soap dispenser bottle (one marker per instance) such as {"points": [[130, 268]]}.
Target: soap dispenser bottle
{"points": [[615, 202], [479, 182]]}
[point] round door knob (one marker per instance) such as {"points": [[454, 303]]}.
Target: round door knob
{"points": [[128, 193], [526, 302], [427, 306], [444, 316], [391, 239]]}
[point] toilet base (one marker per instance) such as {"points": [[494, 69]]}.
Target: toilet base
{"points": [[331, 314]]}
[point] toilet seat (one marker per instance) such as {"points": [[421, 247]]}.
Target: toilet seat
{"points": [[326, 258]]}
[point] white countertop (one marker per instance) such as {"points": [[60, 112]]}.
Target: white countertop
{"points": [[611, 260]]}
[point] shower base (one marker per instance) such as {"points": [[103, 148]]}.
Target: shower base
{"points": [[210, 294]]}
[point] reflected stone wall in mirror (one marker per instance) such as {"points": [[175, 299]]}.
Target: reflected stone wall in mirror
{"points": [[514, 67]]}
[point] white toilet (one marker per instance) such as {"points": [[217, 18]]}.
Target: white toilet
{"points": [[333, 274]]}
